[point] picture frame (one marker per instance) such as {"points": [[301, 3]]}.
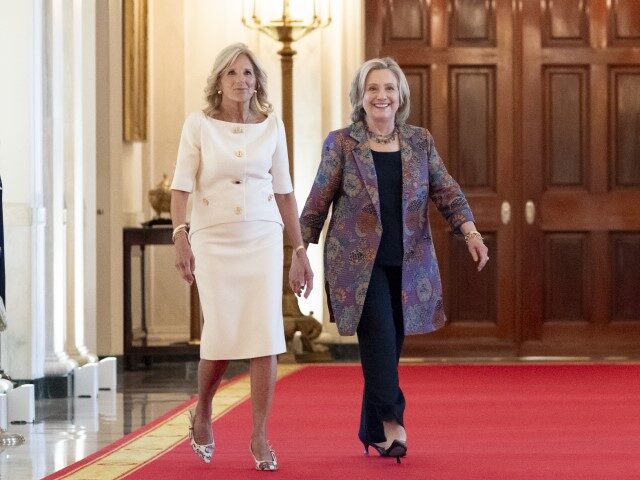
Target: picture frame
{"points": [[134, 69]]}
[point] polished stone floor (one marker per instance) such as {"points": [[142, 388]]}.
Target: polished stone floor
{"points": [[67, 430]]}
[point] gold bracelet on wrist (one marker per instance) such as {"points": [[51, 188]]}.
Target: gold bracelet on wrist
{"points": [[179, 231], [182, 226], [474, 233], [298, 248]]}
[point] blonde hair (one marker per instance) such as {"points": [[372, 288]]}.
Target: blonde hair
{"points": [[259, 102], [358, 84]]}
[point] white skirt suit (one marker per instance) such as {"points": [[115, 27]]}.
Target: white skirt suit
{"points": [[233, 171]]}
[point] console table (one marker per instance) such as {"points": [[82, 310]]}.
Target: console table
{"points": [[136, 350]]}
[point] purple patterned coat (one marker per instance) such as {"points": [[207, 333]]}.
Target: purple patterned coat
{"points": [[347, 180]]}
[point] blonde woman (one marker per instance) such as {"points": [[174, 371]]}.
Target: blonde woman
{"points": [[233, 160]]}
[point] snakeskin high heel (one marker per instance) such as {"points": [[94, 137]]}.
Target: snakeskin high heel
{"points": [[266, 465], [205, 452]]}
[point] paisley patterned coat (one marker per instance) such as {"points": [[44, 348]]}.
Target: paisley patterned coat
{"points": [[346, 180]]}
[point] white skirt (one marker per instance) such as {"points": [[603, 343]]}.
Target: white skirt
{"points": [[238, 270]]}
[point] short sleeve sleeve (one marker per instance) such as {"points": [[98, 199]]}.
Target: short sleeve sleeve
{"points": [[188, 159], [280, 163]]}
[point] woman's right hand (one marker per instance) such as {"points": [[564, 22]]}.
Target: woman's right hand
{"points": [[185, 261], [300, 274]]}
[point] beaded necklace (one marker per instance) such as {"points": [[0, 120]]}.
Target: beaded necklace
{"points": [[382, 139]]}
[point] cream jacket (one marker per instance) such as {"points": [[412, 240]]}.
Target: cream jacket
{"points": [[232, 169]]}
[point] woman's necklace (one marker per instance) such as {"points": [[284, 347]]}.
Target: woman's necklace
{"points": [[382, 139]]}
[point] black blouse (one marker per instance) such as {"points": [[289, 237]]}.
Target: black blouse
{"points": [[389, 172]]}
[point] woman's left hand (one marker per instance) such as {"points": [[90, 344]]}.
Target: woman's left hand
{"points": [[300, 274], [479, 251]]}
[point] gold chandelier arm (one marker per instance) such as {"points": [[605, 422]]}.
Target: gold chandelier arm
{"points": [[284, 28]]}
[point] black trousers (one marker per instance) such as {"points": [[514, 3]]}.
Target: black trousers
{"points": [[380, 339]]}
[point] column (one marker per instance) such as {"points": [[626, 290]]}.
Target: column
{"points": [[56, 148], [21, 140]]}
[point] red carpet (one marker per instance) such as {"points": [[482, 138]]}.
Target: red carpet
{"points": [[464, 422]]}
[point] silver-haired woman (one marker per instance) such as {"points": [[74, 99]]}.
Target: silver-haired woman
{"points": [[380, 266], [233, 160]]}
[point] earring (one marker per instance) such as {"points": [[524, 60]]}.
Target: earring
{"points": [[219, 92], [255, 91]]}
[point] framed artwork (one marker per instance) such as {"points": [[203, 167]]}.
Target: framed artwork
{"points": [[134, 68]]}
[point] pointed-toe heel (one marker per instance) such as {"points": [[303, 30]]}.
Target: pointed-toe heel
{"points": [[377, 448], [397, 449], [265, 465], [205, 452]]}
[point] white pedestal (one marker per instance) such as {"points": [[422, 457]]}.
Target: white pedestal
{"points": [[85, 381], [21, 405], [3, 412], [107, 374]]}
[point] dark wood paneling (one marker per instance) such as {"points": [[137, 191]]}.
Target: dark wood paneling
{"points": [[625, 22], [564, 23], [625, 263], [571, 210], [565, 133], [473, 115], [418, 79], [625, 126], [472, 23], [565, 118], [565, 280], [594, 209], [475, 304], [406, 21]]}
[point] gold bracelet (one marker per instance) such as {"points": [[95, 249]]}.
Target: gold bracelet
{"points": [[177, 232], [471, 234], [298, 248], [182, 226]]}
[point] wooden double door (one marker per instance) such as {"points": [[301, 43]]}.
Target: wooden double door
{"points": [[535, 108]]}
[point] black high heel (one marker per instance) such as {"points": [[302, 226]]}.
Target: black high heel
{"points": [[378, 448], [397, 449]]}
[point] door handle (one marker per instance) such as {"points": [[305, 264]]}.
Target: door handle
{"points": [[530, 212], [505, 212]]}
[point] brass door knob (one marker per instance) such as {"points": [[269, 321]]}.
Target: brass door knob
{"points": [[505, 212], [530, 212]]}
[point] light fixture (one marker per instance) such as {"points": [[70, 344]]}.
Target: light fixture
{"points": [[288, 21]]}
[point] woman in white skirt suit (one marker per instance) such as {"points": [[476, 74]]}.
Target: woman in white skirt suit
{"points": [[233, 159]]}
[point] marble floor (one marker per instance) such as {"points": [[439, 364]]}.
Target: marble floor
{"points": [[67, 430]]}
